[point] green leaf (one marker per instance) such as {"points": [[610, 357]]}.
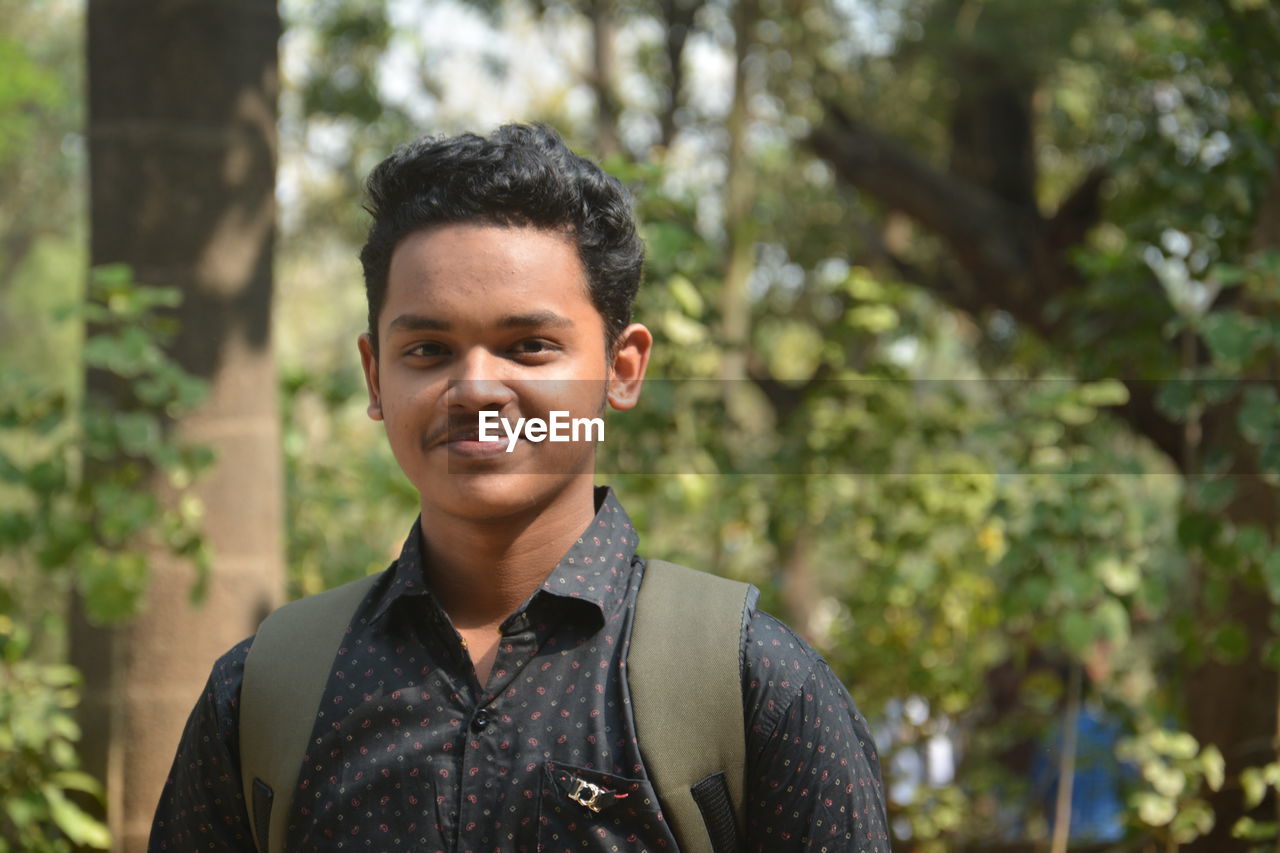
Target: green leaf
{"points": [[1271, 574], [137, 432], [1109, 392], [1228, 275], [1193, 820], [1177, 400], [105, 279], [1254, 786], [874, 319], [682, 330], [1251, 542], [1255, 830], [1077, 631], [1112, 621], [1177, 745], [1198, 530], [1232, 337], [23, 810], [1119, 576], [1153, 809], [47, 477], [79, 826], [112, 584], [1269, 462], [1073, 413], [686, 295], [75, 780], [1231, 642], [1259, 415], [1271, 654], [1214, 766]]}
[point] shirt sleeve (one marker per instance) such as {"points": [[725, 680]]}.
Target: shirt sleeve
{"points": [[202, 805], [813, 774]]}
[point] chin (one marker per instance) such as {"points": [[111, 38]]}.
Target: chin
{"points": [[493, 496]]}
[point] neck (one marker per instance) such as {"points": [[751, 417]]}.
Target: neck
{"points": [[482, 570]]}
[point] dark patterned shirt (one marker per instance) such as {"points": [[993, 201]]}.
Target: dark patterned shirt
{"points": [[411, 752]]}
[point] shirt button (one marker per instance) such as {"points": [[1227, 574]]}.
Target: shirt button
{"points": [[480, 721]]}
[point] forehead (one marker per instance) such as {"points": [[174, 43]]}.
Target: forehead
{"points": [[487, 265]]}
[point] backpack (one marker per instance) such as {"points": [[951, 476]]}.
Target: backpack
{"points": [[694, 751]]}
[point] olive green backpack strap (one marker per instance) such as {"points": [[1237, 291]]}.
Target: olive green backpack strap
{"points": [[284, 680], [684, 673]]}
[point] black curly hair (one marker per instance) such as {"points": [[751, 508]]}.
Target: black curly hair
{"points": [[520, 175]]}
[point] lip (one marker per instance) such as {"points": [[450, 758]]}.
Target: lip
{"points": [[473, 448]]}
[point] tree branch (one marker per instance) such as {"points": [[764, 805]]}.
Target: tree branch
{"points": [[1014, 260], [677, 23], [980, 228]]}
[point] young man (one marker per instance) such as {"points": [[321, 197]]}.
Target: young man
{"points": [[481, 685]]}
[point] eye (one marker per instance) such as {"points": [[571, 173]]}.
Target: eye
{"points": [[427, 349], [534, 347]]}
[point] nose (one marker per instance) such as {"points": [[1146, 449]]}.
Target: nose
{"points": [[478, 383]]}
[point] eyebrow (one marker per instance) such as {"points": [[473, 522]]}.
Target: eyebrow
{"points": [[417, 323], [541, 319], [535, 318]]}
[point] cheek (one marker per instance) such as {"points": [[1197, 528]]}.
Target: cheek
{"points": [[398, 423], [581, 397], [407, 410]]}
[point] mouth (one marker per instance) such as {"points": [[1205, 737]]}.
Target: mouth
{"points": [[466, 442]]}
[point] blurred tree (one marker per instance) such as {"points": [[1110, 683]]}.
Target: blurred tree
{"points": [[969, 532], [42, 214], [40, 102], [182, 128], [75, 502], [1175, 105]]}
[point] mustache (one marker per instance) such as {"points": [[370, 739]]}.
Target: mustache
{"points": [[454, 428]]}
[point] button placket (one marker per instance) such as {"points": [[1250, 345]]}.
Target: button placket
{"points": [[485, 755]]}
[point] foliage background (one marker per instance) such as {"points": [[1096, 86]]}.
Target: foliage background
{"points": [[939, 485]]}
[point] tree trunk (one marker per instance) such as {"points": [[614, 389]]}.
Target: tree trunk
{"points": [[739, 224], [602, 14], [182, 147], [799, 586], [677, 17]]}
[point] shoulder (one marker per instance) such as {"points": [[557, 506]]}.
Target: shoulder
{"points": [[776, 664], [216, 713], [232, 661], [227, 677], [785, 681]]}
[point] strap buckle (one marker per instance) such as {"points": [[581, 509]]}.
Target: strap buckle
{"points": [[586, 794]]}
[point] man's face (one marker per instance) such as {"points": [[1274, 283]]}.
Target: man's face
{"points": [[490, 318]]}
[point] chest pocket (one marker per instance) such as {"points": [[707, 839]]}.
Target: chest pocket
{"points": [[586, 810]]}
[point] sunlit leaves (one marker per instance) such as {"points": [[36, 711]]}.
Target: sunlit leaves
{"points": [[353, 36], [1234, 338], [78, 508], [1178, 772], [37, 759]]}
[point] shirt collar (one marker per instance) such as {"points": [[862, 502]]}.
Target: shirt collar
{"points": [[594, 569], [406, 574]]}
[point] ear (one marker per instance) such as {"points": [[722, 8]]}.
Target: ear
{"points": [[626, 370], [369, 361]]}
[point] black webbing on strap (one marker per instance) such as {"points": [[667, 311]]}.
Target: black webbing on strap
{"points": [[712, 796]]}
